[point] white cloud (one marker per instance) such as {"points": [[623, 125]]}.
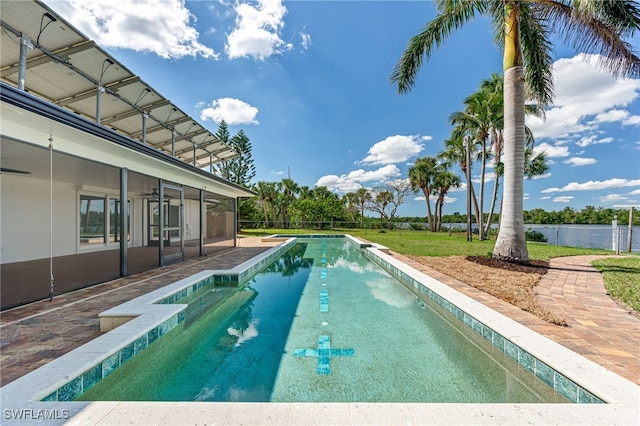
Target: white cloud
{"points": [[612, 116], [592, 140], [610, 198], [579, 161], [632, 120], [595, 185], [232, 111], [634, 192], [544, 176], [563, 199], [352, 181], [163, 27], [551, 151], [257, 31], [585, 97], [306, 40], [395, 149], [245, 334]]}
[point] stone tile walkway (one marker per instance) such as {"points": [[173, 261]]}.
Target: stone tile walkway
{"points": [[598, 328], [32, 335]]}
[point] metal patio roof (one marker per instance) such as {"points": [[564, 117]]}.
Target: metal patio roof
{"points": [[65, 68]]}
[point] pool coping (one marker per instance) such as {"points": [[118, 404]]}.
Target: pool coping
{"points": [[25, 394]]}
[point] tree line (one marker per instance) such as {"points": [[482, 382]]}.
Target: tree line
{"points": [[478, 129]]}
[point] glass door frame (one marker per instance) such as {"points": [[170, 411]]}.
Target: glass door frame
{"points": [[165, 227]]}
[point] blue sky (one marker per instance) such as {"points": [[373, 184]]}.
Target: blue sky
{"points": [[308, 82]]}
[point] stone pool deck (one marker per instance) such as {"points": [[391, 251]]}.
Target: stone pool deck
{"points": [[598, 329]]}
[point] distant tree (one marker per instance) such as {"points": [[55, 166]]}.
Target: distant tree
{"points": [[267, 193], [362, 197], [351, 203], [442, 182], [454, 153], [289, 191], [391, 196], [239, 169], [421, 176]]}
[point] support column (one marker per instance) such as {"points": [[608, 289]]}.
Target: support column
{"points": [[173, 142], [161, 224], [99, 103], [25, 43], [235, 222], [203, 218], [124, 222], [144, 127]]}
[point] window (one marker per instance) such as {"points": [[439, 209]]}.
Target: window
{"points": [[95, 220], [114, 220], [92, 220]]}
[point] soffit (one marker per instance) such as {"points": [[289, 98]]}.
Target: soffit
{"points": [[65, 68]]}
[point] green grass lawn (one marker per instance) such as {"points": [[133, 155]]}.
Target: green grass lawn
{"points": [[621, 275], [622, 279]]}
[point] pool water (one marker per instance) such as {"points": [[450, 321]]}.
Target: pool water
{"points": [[323, 323]]}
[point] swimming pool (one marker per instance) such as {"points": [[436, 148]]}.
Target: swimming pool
{"points": [[321, 323], [138, 323]]}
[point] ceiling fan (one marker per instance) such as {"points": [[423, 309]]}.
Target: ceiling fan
{"points": [[151, 195], [154, 194]]}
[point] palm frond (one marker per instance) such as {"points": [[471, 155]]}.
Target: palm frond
{"points": [[596, 26], [453, 15], [537, 48]]}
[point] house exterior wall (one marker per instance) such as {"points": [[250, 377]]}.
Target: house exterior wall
{"points": [[25, 221], [86, 159]]}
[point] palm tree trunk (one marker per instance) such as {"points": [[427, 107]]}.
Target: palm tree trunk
{"points": [[474, 200], [429, 213], [510, 243], [494, 197], [481, 202]]}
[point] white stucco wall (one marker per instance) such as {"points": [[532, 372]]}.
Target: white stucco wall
{"points": [[25, 219]]}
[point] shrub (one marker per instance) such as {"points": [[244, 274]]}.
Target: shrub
{"points": [[535, 235]]}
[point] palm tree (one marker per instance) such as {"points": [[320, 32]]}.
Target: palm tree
{"points": [[289, 191], [454, 153], [263, 189], [363, 196], [421, 176], [524, 29], [442, 182], [480, 119]]}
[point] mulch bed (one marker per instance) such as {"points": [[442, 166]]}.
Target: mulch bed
{"points": [[533, 267]]}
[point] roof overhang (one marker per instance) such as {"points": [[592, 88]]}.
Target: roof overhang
{"points": [[31, 120], [61, 65]]}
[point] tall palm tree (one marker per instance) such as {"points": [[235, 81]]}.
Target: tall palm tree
{"points": [[524, 29], [481, 116]]}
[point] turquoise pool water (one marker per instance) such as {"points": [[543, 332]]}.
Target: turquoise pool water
{"points": [[322, 323]]}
